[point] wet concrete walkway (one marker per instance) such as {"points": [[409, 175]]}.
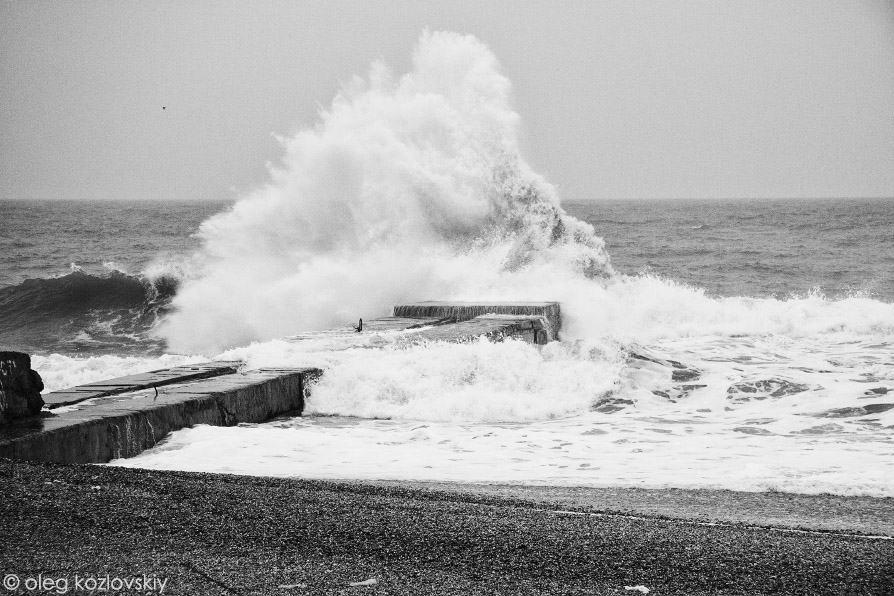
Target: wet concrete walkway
{"points": [[106, 427], [155, 378]]}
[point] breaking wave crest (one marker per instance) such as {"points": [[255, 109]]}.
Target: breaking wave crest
{"points": [[112, 311], [408, 188]]}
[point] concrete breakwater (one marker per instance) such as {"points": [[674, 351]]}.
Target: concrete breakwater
{"points": [[100, 429], [122, 417], [547, 314]]}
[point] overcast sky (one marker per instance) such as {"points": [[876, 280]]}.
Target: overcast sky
{"points": [[618, 99]]}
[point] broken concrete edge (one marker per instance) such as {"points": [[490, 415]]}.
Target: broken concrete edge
{"points": [[127, 429], [534, 329], [494, 328], [136, 382], [464, 311]]}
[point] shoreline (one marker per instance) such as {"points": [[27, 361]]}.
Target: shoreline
{"points": [[218, 533], [796, 511]]}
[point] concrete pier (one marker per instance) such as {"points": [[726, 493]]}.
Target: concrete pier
{"points": [[103, 428], [464, 311], [155, 378], [493, 327], [98, 422], [457, 322], [348, 336]]}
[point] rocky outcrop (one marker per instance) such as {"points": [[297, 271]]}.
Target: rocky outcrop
{"points": [[20, 387]]}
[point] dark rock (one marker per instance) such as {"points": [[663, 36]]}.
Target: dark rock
{"points": [[20, 387]]}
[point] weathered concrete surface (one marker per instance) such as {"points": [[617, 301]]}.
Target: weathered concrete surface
{"points": [[535, 322], [493, 327], [155, 378], [125, 424], [463, 311], [348, 337], [411, 330], [20, 387]]}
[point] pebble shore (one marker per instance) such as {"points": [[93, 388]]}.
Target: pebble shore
{"points": [[223, 534]]}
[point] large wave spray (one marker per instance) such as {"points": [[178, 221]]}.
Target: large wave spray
{"points": [[413, 188], [407, 189]]}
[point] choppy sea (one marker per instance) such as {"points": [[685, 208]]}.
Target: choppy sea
{"points": [[783, 308]]}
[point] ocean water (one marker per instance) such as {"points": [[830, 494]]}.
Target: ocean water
{"points": [[92, 277], [741, 344]]}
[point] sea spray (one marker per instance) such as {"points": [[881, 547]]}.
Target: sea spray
{"points": [[473, 382], [647, 308], [408, 188]]}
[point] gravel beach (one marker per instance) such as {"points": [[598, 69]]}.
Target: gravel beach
{"points": [[222, 534]]}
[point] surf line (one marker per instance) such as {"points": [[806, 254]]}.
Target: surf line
{"points": [[718, 524]]}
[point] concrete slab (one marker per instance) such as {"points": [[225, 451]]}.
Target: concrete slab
{"points": [[463, 311], [155, 378], [123, 425], [493, 327], [346, 337], [410, 330]]}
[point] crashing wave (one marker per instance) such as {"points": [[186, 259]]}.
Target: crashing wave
{"points": [[408, 188], [106, 312]]}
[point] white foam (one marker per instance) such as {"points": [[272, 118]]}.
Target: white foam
{"points": [[646, 308], [550, 453], [509, 412], [408, 188], [412, 188], [476, 382]]}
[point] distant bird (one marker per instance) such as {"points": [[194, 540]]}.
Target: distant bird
{"points": [[162, 107], [359, 327]]}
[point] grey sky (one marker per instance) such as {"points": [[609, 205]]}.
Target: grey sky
{"points": [[618, 99]]}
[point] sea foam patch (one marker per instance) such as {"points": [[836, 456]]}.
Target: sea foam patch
{"points": [[509, 412]]}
